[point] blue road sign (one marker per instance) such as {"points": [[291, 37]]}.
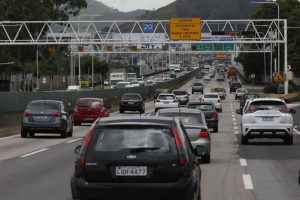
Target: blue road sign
{"points": [[148, 27]]}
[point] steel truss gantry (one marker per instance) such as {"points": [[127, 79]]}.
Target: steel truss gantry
{"points": [[265, 33]]}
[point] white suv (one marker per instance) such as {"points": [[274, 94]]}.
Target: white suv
{"points": [[267, 118]]}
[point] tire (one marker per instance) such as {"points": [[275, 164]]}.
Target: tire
{"points": [[244, 140], [31, 134], [156, 109], [77, 124], [64, 133], [24, 134], [216, 129], [70, 133], [193, 196], [192, 92], [221, 110], [289, 140], [142, 111], [121, 110], [206, 159]]}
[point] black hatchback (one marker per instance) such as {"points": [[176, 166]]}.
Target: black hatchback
{"points": [[136, 158], [132, 102]]}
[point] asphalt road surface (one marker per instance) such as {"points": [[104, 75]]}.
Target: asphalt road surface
{"points": [[41, 167]]}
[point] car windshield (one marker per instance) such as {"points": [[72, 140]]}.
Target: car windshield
{"points": [[203, 107], [115, 139], [166, 97], [130, 97], [186, 118], [179, 92], [90, 103], [267, 105], [43, 106]]}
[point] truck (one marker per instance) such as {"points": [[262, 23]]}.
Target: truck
{"points": [[116, 77], [131, 77]]}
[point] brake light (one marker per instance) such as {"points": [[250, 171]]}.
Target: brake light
{"points": [[56, 114], [214, 115], [182, 158], [250, 110], [80, 161], [175, 101], [285, 110], [157, 101], [204, 133], [27, 114]]}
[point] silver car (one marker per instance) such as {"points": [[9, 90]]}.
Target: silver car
{"points": [[195, 125]]}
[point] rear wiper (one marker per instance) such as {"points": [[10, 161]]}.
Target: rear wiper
{"points": [[142, 149]]}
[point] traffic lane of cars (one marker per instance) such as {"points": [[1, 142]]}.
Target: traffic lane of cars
{"points": [[272, 165]]}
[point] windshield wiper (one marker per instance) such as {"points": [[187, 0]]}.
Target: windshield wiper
{"points": [[142, 149]]}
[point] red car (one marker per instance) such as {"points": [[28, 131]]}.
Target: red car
{"points": [[88, 110]]}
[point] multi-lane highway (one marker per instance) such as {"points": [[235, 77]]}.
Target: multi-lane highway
{"points": [[41, 167]]}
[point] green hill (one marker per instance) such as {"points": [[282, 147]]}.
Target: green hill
{"points": [[205, 9]]}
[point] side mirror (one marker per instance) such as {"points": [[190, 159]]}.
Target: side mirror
{"points": [[292, 111], [238, 111], [77, 149]]}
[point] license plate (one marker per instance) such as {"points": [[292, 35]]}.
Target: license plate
{"points": [[41, 117], [130, 102], [166, 102], [131, 171], [267, 119]]}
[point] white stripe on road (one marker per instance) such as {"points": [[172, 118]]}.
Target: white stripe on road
{"points": [[236, 132], [234, 123], [234, 119], [75, 140], [35, 152], [243, 162], [236, 128], [8, 137], [248, 182]]}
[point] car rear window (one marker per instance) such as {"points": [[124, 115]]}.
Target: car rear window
{"points": [[236, 84], [166, 97], [130, 97], [43, 106], [218, 89], [197, 84], [210, 96], [185, 118], [203, 107], [179, 92], [267, 105], [90, 103], [241, 90], [115, 139]]}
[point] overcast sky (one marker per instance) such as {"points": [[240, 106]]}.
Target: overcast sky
{"points": [[129, 5]]}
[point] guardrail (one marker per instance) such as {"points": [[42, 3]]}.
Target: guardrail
{"points": [[14, 102]]}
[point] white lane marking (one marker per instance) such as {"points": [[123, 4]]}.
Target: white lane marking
{"points": [[236, 132], [296, 131], [248, 182], [234, 123], [75, 140], [243, 162], [8, 137], [35, 152], [233, 115], [236, 128], [235, 139], [234, 119]]}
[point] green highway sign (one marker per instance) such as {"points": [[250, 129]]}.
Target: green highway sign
{"points": [[214, 47]]}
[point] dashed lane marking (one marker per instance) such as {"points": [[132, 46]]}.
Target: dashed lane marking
{"points": [[248, 182], [236, 132], [34, 152], [296, 131], [234, 123], [75, 140], [234, 119], [236, 128], [243, 162]]}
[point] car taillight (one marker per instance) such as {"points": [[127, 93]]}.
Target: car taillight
{"points": [[204, 133], [56, 114], [214, 115], [250, 111], [80, 161], [182, 158], [175, 101], [156, 101], [27, 114], [285, 110]]}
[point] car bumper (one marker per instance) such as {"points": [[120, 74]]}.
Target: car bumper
{"points": [[170, 105], [86, 118], [133, 107], [127, 191], [43, 128], [267, 130]]}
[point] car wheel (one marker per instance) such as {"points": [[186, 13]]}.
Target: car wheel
{"points": [[70, 133], [289, 140], [121, 110], [77, 124], [196, 195], [31, 134], [221, 110], [64, 133], [206, 159], [244, 139], [24, 134], [142, 111], [216, 129], [156, 109], [192, 92]]}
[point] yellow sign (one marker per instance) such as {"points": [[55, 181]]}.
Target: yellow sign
{"points": [[185, 29], [52, 49], [221, 56]]}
